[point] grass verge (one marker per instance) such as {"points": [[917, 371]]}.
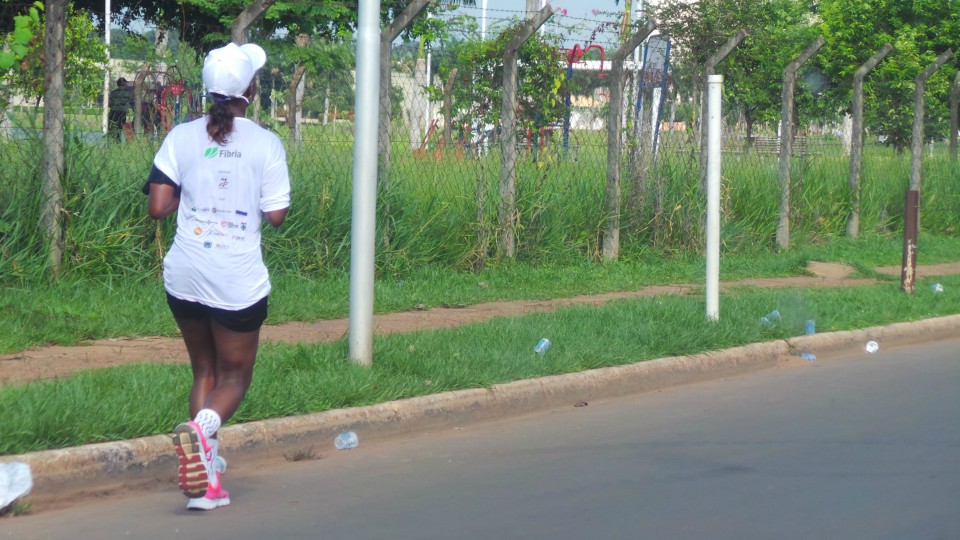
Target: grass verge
{"points": [[68, 312], [292, 379]]}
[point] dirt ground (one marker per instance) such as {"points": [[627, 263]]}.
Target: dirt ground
{"points": [[57, 361]]}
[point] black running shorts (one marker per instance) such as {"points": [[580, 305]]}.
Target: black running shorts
{"points": [[248, 319]]}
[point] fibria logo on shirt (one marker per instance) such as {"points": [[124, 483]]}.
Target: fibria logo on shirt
{"points": [[213, 152]]}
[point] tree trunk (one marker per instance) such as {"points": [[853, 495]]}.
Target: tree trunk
{"points": [[238, 32]]}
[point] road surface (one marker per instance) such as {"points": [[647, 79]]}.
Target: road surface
{"points": [[855, 447]]}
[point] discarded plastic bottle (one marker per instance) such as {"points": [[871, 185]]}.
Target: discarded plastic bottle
{"points": [[346, 441], [542, 346], [937, 288], [810, 327], [770, 319]]}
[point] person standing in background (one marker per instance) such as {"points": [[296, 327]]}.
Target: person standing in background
{"points": [[121, 101], [224, 176]]}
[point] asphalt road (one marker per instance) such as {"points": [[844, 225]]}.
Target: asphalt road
{"points": [[856, 447]]}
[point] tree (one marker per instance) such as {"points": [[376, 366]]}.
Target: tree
{"points": [[85, 58], [919, 30], [478, 94], [778, 31]]}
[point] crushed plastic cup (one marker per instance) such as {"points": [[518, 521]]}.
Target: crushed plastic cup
{"points": [[15, 482], [810, 327], [346, 441], [542, 346], [809, 357], [770, 320], [937, 288], [872, 347]]}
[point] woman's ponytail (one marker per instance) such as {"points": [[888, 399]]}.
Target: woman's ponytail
{"points": [[220, 120]]}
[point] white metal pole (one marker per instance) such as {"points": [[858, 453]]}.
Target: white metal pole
{"points": [[362, 233], [714, 89], [106, 71], [483, 20]]}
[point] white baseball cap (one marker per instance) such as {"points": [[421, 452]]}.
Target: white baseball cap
{"points": [[228, 70]]}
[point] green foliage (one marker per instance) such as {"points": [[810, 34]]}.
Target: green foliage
{"points": [[919, 32], [15, 46], [84, 57], [778, 30], [478, 90]]}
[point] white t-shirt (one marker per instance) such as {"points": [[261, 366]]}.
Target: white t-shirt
{"points": [[215, 258]]}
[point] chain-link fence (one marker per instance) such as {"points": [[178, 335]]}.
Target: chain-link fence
{"points": [[442, 194]]}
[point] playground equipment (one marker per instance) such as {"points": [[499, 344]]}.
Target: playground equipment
{"points": [[162, 100], [574, 56]]}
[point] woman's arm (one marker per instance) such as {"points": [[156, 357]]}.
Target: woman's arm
{"points": [[163, 200]]}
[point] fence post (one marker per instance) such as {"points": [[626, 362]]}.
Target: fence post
{"points": [[448, 109], [387, 35], [856, 146], [954, 105], [786, 138], [611, 235], [53, 138], [710, 68], [911, 214], [508, 140]]}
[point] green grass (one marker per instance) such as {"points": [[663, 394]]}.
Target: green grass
{"points": [[66, 312], [292, 379]]}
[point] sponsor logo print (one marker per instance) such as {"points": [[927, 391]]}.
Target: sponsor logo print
{"points": [[223, 183], [240, 213], [214, 152], [197, 231]]}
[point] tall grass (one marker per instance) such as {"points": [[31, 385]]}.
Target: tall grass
{"points": [[441, 208]]}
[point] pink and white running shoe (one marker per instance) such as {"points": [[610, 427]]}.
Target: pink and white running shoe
{"points": [[215, 497], [195, 455]]}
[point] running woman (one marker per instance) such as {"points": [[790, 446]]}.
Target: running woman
{"points": [[224, 176]]}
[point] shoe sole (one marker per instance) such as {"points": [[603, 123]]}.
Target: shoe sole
{"points": [[204, 503], [192, 475]]}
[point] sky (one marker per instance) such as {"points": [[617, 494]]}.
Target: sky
{"points": [[586, 15]]}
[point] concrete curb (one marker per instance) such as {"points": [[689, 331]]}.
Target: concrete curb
{"points": [[66, 474]]}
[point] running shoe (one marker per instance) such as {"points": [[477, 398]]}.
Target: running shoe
{"points": [[215, 497], [195, 455]]}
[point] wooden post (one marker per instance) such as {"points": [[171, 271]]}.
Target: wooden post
{"points": [[856, 146], [53, 131], [786, 138], [507, 214], [611, 235], [911, 214], [387, 36], [710, 68], [954, 105]]}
